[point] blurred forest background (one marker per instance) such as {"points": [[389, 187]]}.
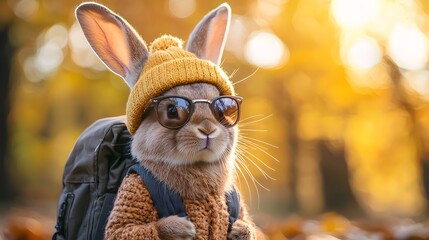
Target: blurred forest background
{"points": [[336, 109]]}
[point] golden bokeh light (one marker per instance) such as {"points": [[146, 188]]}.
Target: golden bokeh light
{"points": [[364, 53], [418, 81], [81, 52], [355, 13], [181, 8], [371, 32], [408, 46], [266, 50], [25, 8], [336, 102]]}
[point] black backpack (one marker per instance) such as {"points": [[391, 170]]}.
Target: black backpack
{"points": [[99, 161]]}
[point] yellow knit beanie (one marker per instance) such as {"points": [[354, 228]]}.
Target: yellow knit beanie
{"points": [[169, 65]]}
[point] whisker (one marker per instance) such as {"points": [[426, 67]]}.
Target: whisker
{"points": [[251, 117], [259, 141], [255, 182], [233, 73], [244, 79], [238, 178], [246, 157], [222, 62], [246, 170], [237, 166], [263, 163], [251, 144], [262, 171], [263, 150], [252, 130], [247, 122], [264, 174]]}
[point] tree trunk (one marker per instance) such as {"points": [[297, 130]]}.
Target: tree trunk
{"points": [[283, 98], [337, 192], [399, 96], [6, 55]]}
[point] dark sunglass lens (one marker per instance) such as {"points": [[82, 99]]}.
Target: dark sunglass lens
{"points": [[173, 112], [226, 111]]}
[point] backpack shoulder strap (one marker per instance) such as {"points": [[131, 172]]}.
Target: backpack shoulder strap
{"points": [[166, 201], [233, 203]]}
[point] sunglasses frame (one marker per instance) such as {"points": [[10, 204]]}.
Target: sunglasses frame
{"points": [[154, 102]]}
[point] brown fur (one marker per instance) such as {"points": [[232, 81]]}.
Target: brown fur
{"points": [[241, 231], [197, 160], [175, 157], [174, 227], [201, 180]]}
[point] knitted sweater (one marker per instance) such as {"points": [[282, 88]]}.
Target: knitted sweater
{"points": [[134, 215]]}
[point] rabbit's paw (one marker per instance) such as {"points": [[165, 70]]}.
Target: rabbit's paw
{"points": [[174, 227], [241, 231]]}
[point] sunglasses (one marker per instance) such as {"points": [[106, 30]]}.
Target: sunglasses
{"points": [[174, 112]]}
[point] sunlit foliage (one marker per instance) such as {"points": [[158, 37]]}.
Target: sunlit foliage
{"points": [[331, 89]]}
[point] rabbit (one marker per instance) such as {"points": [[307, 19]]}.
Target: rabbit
{"points": [[195, 157]]}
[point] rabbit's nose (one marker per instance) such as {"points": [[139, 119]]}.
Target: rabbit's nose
{"points": [[206, 131]]}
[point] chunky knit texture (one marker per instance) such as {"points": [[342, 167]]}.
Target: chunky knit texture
{"points": [[134, 215], [169, 66]]}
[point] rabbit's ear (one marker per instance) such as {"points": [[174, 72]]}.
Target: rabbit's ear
{"points": [[208, 38], [114, 41]]}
